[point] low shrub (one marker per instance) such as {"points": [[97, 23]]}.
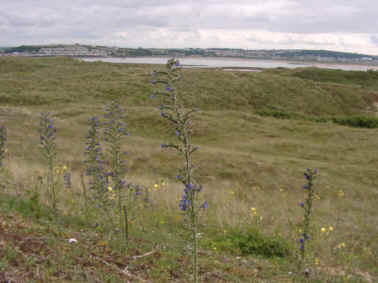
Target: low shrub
{"points": [[353, 121], [252, 242], [357, 122]]}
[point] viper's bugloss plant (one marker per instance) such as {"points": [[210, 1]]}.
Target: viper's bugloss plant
{"points": [[94, 161], [181, 122], [3, 140], [310, 175], [114, 133], [48, 147]]}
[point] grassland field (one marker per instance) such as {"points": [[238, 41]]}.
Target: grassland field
{"points": [[245, 161]]}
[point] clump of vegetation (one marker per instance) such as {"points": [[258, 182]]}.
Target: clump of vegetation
{"points": [[181, 121], [114, 133], [48, 147], [251, 241], [3, 140], [307, 206]]}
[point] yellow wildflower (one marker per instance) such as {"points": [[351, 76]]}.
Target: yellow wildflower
{"points": [[323, 229], [156, 186], [232, 193], [253, 209], [316, 261], [64, 168], [341, 193], [110, 189], [341, 245], [330, 228], [261, 218]]}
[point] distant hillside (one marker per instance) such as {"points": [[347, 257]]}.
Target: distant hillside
{"points": [[322, 53], [304, 91], [78, 50]]}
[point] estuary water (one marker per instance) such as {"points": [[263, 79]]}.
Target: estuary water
{"points": [[233, 63]]}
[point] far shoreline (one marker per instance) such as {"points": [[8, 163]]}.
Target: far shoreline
{"points": [[275, 63]]}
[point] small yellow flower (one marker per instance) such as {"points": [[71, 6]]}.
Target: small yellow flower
{"points": [[64, 168], [110, 189], [261, 218], [316, 261], [341, 193], [156, 186], [300, 230], [5, 150], [341, 245], [232, 193], [323, 230], [330, 228], [253, 209]]}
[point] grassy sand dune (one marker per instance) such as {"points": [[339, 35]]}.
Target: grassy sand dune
{"points": [[245, 161]]}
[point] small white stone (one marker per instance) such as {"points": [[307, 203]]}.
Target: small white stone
{"points": [[72, 241]]}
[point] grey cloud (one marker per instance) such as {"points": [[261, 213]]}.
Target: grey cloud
{"points": [[102, 20], [374, 39]]}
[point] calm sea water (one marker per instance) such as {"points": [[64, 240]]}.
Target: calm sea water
{"points": [[208, 62]]}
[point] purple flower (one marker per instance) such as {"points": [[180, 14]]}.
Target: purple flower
{"points": [[189, 186], [308, 176], [204, 205]]}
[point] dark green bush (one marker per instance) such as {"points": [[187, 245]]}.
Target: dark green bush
{"points": [[353, 121], [278, 114], [30, 206], [252, 242], [357, 121]]}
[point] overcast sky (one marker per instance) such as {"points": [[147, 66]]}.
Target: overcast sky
{"points": [[342, 25]]}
